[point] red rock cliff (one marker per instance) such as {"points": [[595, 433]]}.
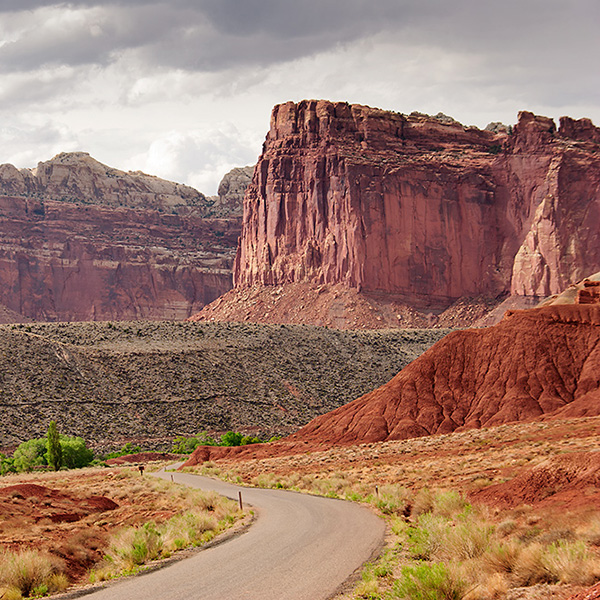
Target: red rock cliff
{"points": [[421, 208], [82, 241]]}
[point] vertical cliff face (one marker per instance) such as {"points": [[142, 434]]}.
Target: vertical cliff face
{"points": [[82, 241], [421, 208], [562, 239]]}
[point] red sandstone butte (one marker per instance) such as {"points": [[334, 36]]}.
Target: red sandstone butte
{"points": [[82, 241], [417, 210]]}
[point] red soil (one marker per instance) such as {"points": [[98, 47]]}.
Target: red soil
{"points": [[568, 481], [28, 510]]}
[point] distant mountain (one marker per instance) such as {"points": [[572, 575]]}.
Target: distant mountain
{"points": [[82, 241]]}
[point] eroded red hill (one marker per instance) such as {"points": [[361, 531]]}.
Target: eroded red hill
{"points": [[536, 364]]}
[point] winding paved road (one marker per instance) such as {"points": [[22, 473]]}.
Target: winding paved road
{"points": [[300, 547]]}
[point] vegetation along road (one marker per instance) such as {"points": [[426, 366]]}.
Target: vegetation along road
{"points": [[300, 547]]}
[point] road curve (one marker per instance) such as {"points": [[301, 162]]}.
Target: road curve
{"points": [[300, 547]]}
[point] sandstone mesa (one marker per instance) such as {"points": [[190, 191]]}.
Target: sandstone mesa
{"points": [[414, 212]]}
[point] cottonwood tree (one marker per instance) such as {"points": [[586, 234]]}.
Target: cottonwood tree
{"points": [[54, 447]]}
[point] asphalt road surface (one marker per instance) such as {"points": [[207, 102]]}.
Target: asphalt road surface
{"points": [[300, 547]]}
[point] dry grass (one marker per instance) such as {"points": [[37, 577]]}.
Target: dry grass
{"points": [[30, 573], [421, 485], [154, 519], [206, 515]]}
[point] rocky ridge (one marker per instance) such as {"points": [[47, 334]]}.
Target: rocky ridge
{"points": [[82, 241], [149, 381], [77, 177], [230, 199], [418, 211]]}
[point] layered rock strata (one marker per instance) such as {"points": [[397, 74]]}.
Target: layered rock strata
{"points": [[82, 241], [420, 210]]}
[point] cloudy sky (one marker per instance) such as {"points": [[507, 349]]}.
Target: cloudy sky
{"points": [[183, 89]]}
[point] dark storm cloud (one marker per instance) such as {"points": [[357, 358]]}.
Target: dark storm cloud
{"points": [[206, 34], [212, 35]]}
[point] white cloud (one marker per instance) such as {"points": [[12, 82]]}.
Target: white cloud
{"points": [[198, 157], [26, 144]]}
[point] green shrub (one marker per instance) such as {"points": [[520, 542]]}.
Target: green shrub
{"points": [[427, 582], [30, 454], [435, 537], [7, 465], [75, 453], [426, 538], [135, 546], [186, 445], [250, 439], [128, 448], [231, 438]]}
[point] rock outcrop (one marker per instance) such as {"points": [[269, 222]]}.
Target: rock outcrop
{"points": [[420, 210], [82, 241], [586, 291], [230, 199]]}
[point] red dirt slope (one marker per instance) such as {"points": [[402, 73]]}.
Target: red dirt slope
{"points": [[569, 480], [535, 364]]}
